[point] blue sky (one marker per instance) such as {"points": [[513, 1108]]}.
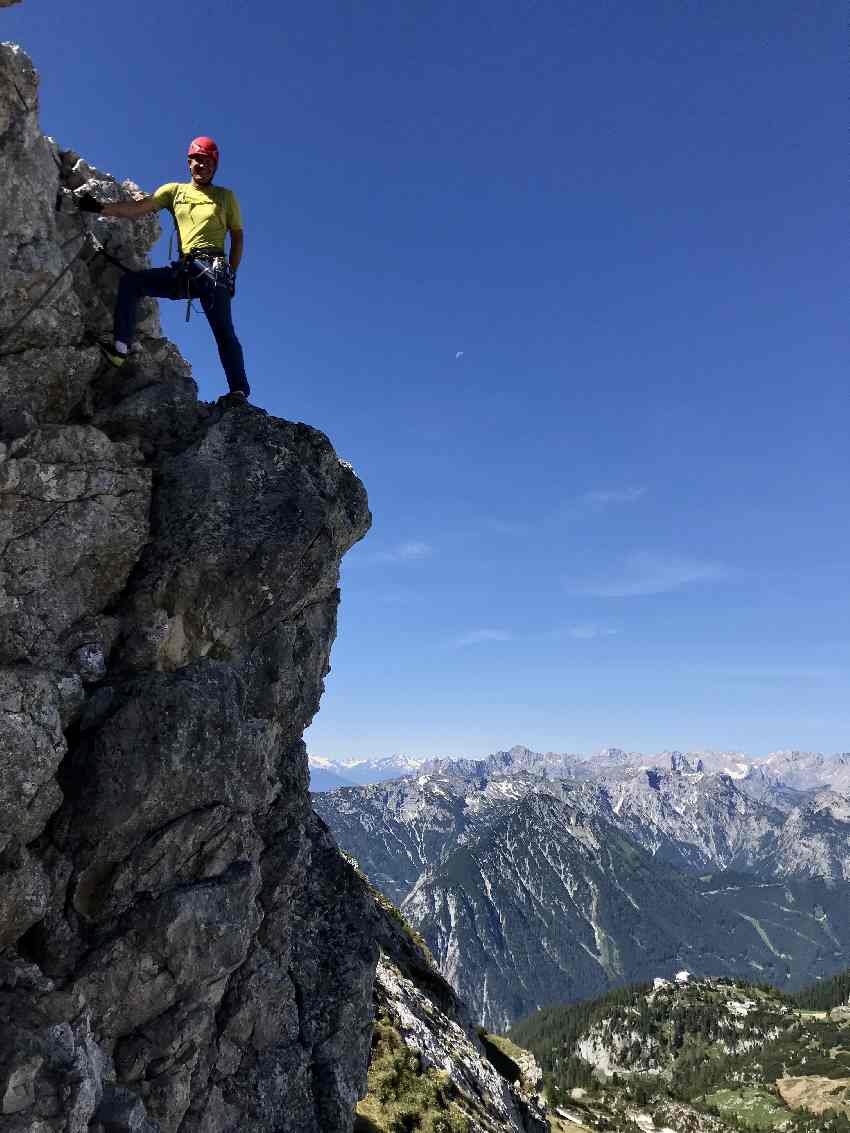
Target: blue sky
{"points": [[562, 281]]}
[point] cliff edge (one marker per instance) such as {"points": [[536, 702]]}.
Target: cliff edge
{"points": [[181, 945]]}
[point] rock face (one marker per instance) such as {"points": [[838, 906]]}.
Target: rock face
{"points": [[181, 945], [414, 999], [444, 1044]]}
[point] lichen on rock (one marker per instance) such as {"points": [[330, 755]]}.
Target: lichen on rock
{"points": [[442, 1051]]}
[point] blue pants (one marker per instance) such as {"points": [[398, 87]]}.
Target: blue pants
{"points": [[171, 283]]}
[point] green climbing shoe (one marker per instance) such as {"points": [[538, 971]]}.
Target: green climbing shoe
{"points": [[113, 356]]}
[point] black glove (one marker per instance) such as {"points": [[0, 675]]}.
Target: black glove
{"points": [[231, 282], [87, 203]]}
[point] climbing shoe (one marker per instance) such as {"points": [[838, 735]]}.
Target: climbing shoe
{"points": [[234, 398], [113, 355]]}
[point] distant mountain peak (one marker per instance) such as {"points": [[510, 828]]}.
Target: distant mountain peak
{"points": [[612, 755], [776, 778]]}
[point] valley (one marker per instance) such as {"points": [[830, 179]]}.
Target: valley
{"points": [[702, 1056], [538, 879]]}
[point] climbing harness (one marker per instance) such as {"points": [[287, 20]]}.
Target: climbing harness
{"points": [[213, 265], [182, 265]]}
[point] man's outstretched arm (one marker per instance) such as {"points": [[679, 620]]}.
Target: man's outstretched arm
{"points": [[126, 210], [130, 210]]}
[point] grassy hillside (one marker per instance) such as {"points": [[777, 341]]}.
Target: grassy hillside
{"points": [[405, 1097]]}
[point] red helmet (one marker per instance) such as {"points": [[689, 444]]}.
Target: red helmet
{"points": [[205, 146]]}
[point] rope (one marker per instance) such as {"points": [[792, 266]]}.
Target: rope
{"points": [[24, 103], [99, 250], [70, 240], [204, 271], [33, 306]]}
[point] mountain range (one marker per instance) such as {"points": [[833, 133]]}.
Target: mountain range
{"points": [[328, 774], [794, 770], [536, 880]]}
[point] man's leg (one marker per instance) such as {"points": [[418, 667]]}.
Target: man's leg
{"points": [[160, 283], [215, 300]]}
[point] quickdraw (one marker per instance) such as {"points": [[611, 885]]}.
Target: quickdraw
{"points": [[216, 269]]}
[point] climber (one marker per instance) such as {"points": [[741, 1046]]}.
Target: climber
{"points": [[203, 214]]}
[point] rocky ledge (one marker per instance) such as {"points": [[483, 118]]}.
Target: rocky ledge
{"points": [[181, 944]]}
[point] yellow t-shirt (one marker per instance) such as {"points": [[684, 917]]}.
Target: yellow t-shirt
{"points": [[203, 216]]}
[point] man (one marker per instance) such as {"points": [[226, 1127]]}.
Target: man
{"points": [[204, 214]]}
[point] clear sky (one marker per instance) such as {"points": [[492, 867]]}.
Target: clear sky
{"points": [[562, 280]]}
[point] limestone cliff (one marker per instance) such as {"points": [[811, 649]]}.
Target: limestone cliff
{"points": [[181, 945]]}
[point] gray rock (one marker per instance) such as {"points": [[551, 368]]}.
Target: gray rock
{"points": [[24, 893], [282, 1032], [19, 1093], [90, 661], [51, 1072], [121, 1111], [30, 254], [263, 503], [43, 385], [443, 1044], [194, 952], [192, 748], [32, 744], [73, 489]]}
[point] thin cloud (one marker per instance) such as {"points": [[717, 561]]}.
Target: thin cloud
{"points": [[481, 636], [598, 499], [589, 632], [591, 502], [508, 526], [413, 550], [410, 551], [645, 573], [769, 673], [398, 596]]}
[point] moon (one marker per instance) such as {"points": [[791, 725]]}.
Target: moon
{"points": [[458, 355]]}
